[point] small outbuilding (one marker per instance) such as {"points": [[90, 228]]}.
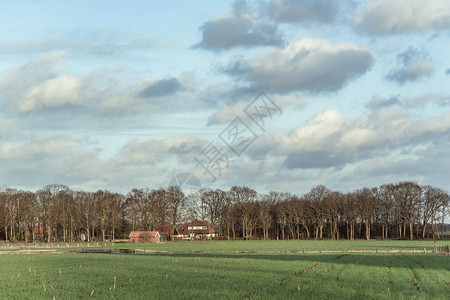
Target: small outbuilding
{"points": [[145, 237]]}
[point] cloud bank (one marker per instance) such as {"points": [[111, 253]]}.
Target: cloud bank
{"points": [[240, 28], [385, 17], [310, 65]]}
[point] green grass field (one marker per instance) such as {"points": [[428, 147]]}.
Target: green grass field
{"points": [[232, 275], [256, 246]]}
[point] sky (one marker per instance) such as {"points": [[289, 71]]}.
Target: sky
{"points": [[276, 95]]}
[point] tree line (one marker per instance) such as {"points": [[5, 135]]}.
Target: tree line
{"points": [[403, 210]]}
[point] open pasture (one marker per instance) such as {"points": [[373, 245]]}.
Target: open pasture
{"points": [[246, 246], [214, 275]]}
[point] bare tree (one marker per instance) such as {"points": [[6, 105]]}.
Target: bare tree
{"points": [[62, 207], [317, 197], [4, 213], [8, 210], [305, 215], [115, 208], [86, 212], [133, 206], [102, 203], [28, 207], [350, 211], [434, 201], [229, 217], [407, 197], [243, 198], [51, 211], [334, 204], [213, 202], [366, 199], [55, 211], [385, 205], [159, 206], [267, 212], [175, 201]]}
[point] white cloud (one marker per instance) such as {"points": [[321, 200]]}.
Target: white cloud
{"points": [[241, 28], [137, 152], [43, 159], [44, 85], [229, 112], [53, 93], [411, 72], [41, 85], [378, 102], [304, 11], [441, 99], [382, 17], [414, 65], [315, 134], [311, 65], [15, 80], [329, 138]]}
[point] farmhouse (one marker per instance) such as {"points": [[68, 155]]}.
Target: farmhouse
{"points": [[144, 237], [195, 230]]}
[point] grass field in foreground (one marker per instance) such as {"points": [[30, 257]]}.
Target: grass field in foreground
{"points": [[226, 276], [292, 245], [257, 246]]}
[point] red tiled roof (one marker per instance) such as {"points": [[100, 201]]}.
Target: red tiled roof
{"points": [[164, 228], [184, 228]]}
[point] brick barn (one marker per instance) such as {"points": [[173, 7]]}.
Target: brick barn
{"points": [[144, 237]]}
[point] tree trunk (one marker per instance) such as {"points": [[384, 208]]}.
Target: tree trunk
{"points": [[411, 232], [352, 231], [331, 229], [348, 230], [307, 231], [49, 235], [437, 231], [367, 230], [291, 230], [336, 230], [243, 229]]}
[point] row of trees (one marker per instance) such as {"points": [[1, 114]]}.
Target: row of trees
{"points": [[57, 213]]}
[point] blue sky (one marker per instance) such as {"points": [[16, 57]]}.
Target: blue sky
{"points": [[115, 95]]}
